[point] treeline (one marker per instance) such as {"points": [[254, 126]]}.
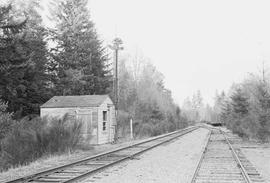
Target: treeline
{"points": [[194, 108], [145, 100], [37, 63], [246, 108]]}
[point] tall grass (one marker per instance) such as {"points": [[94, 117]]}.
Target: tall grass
{"points": [[31, 139]]}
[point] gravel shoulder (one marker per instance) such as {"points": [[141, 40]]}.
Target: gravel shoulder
{"points": [[172, 162], [259, 156], [257, 153]]}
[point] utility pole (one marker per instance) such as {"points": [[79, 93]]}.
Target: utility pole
{"points": [[263, 72], [116, 46], [131, 128]]}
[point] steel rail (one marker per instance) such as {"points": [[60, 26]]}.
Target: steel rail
{"points": [[62, 167], [201, 158], [243, 171]]}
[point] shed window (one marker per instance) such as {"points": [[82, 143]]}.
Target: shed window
{"points": [[104, 120], [104, 115]]}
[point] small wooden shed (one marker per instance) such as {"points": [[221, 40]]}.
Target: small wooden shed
{"points": [[96, 112]]}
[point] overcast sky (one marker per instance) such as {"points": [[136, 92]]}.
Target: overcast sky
{"points": [[197, 44]]}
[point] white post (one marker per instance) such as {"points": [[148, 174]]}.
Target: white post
{"points": [[131, 129]]}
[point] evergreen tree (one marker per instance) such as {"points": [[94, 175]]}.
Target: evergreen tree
{"points": [[23, 58], [239, 112], [178, 117], [239, 102], [14, 60], [39, 77], [197, 101], [263, 98], [220, 103], [79, 53], [197, 105], [226, 112]]}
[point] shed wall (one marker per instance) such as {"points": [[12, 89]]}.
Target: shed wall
{"points": [[106, 136], [88, 116]]}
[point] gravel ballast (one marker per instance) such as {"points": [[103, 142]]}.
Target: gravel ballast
{"points": [[260, 158], [172, 162]]}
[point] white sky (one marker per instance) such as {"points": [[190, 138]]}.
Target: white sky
{"points": [[196, 44]]}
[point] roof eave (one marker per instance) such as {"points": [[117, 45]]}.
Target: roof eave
{"points": [[67, 106]]}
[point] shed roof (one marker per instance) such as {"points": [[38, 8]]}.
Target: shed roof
{"points": [[75, 101]]}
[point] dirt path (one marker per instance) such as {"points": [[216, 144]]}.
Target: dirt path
{"points": [[173, 162]]}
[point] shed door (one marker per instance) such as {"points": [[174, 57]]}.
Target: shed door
{"points": [[86, 119]]}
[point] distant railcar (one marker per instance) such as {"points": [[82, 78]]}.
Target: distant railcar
{"points": [[215, 123]]}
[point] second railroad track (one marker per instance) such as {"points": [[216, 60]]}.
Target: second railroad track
{"points": [[222, 163]]}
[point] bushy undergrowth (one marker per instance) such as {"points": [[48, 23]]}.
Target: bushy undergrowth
{"points": [[248, 127], [144, 98], [153, 128], [31, 139], [247, 110], [6, 121], [150, 125]]}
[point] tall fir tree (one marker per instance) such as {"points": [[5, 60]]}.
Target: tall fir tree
{"points": [[226, 112], [219, 105], [239, 102], [23, 59], [13, 59], [79, 53], [263, 97]]}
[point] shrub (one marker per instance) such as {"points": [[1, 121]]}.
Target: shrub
{"points": [[6, 120], [62, 134], [123, 122], [144, 130], [263, 134], [153, 128], [31, 139], [158, 129]]}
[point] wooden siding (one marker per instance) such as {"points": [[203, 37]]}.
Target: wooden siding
{"points": [[106, 136], [88, 116]]}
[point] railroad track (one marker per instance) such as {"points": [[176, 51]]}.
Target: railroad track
{"points": [[222, 163], [81, 169]]}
